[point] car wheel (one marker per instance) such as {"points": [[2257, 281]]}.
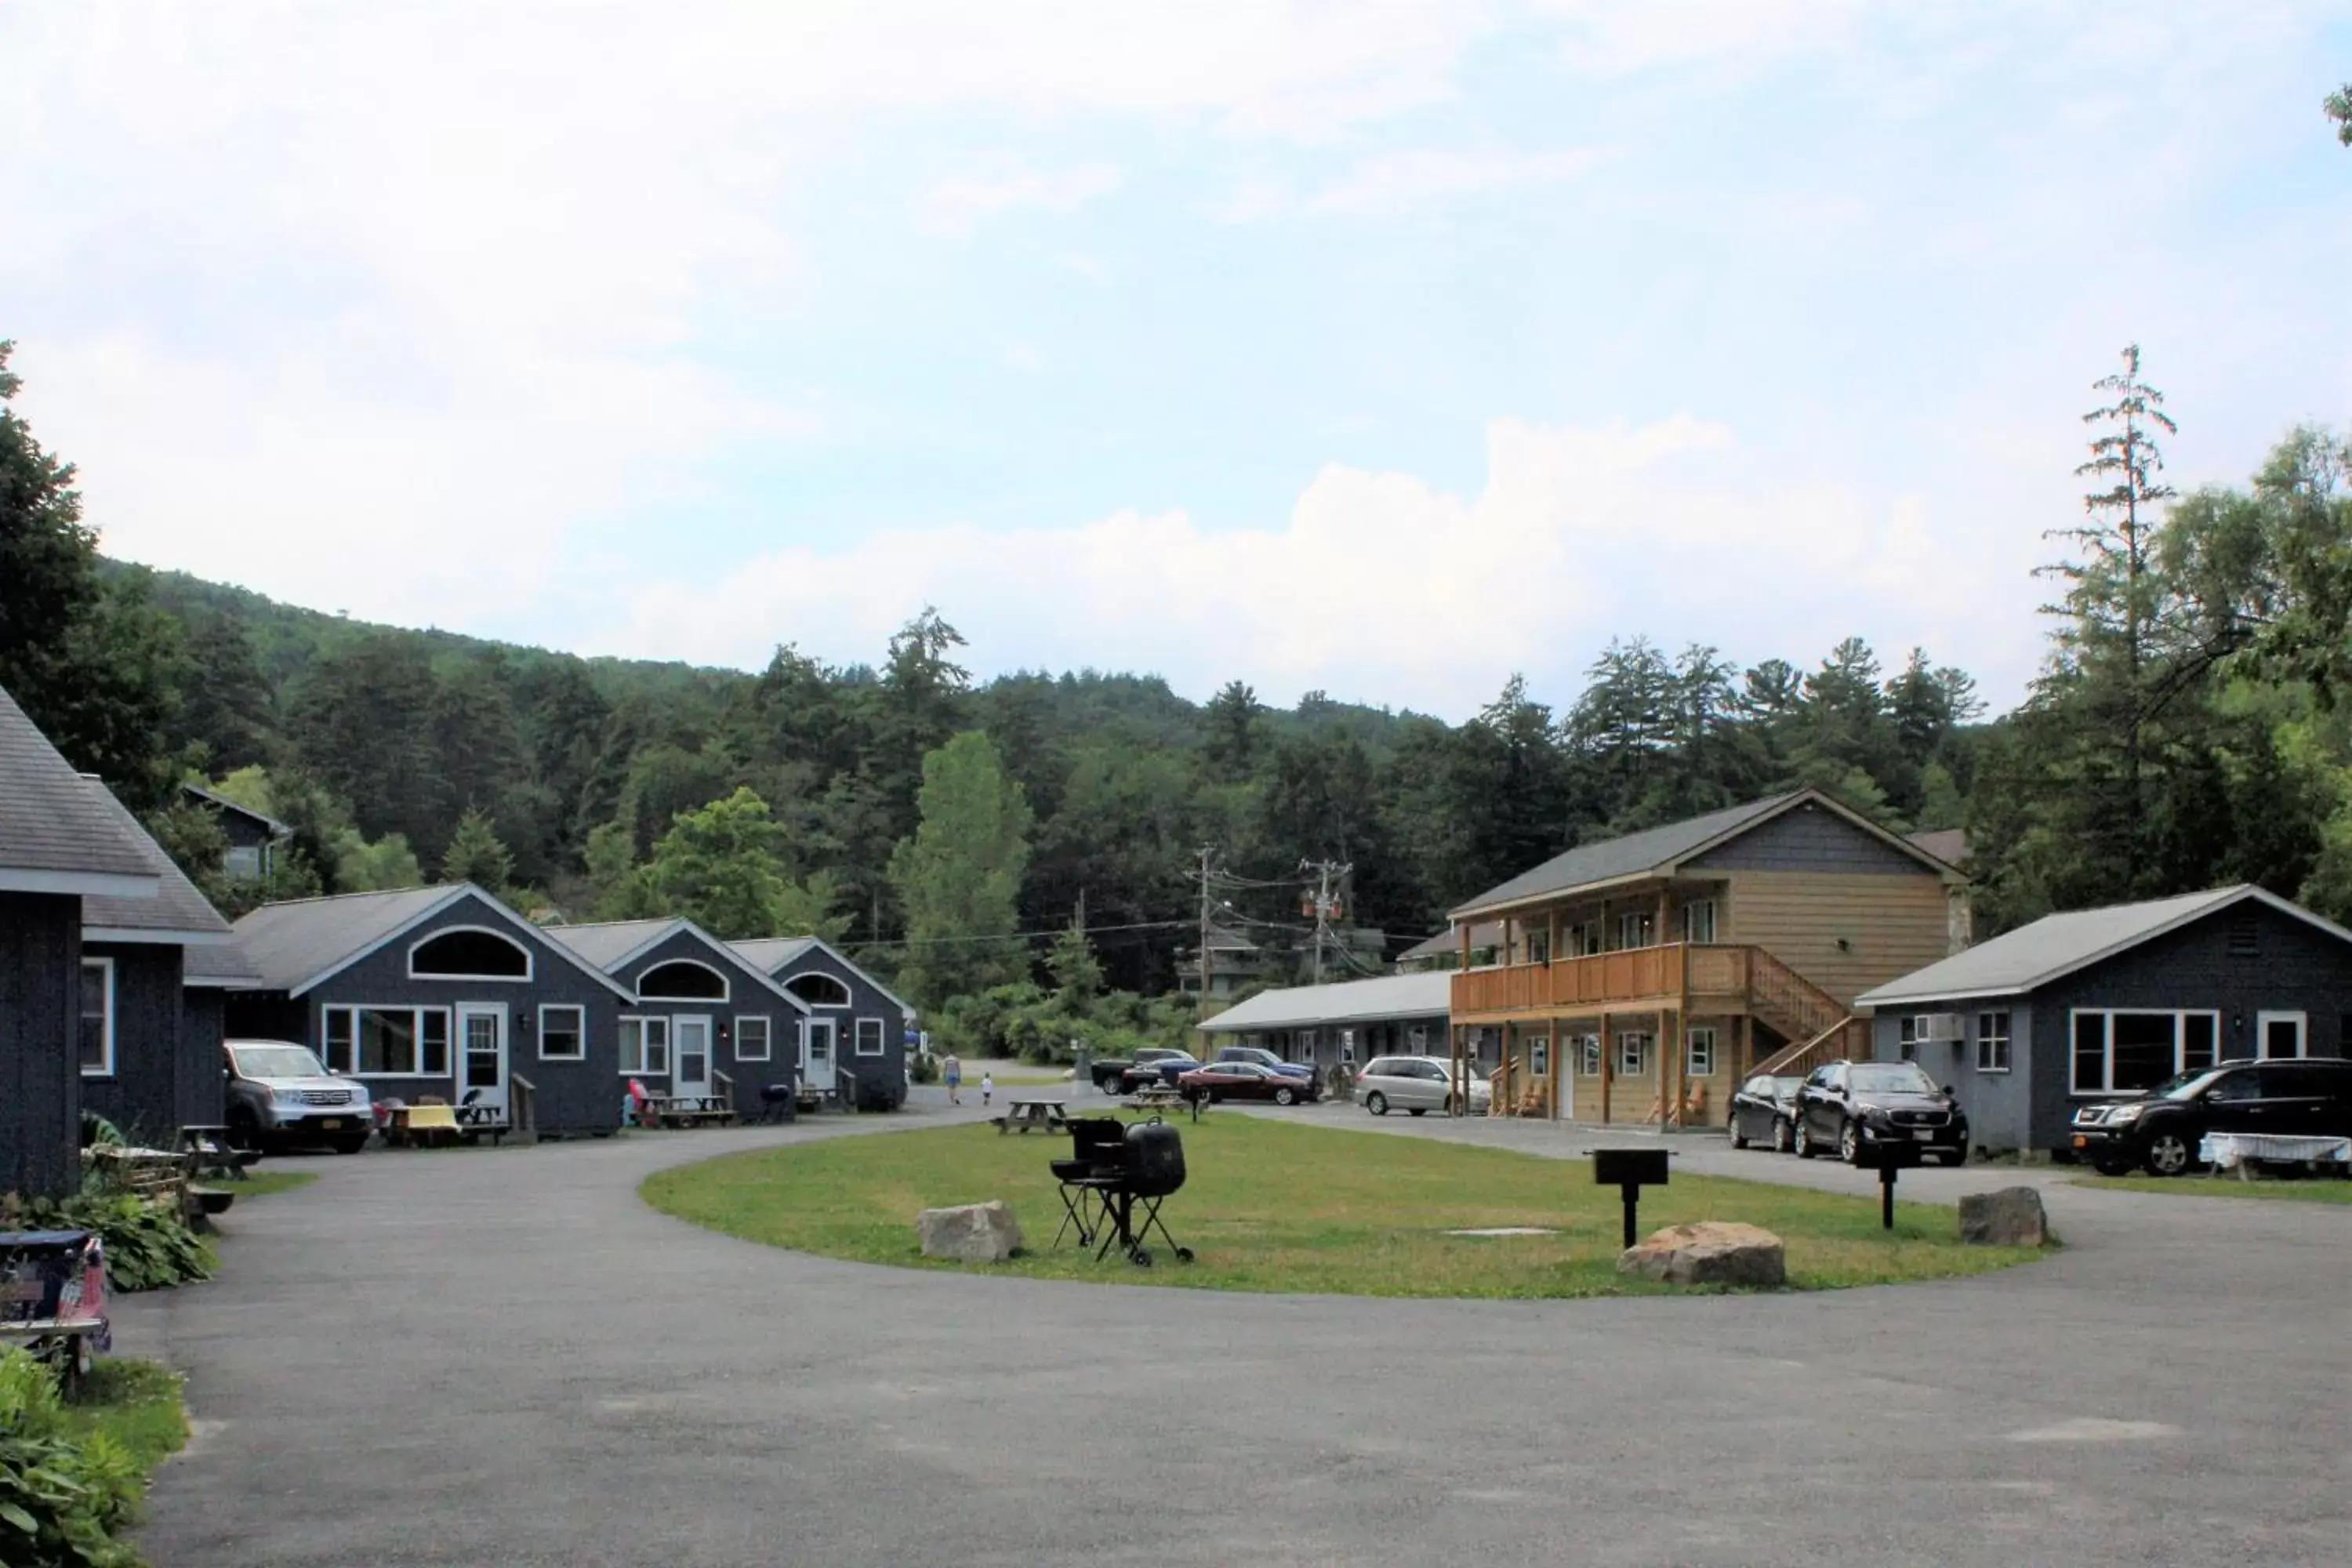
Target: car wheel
{"points": [[2111, 1167], [245, 1131], [1781, 1135], [1377, 1103], [1850, 1141], [1286, 1096], [1800, 1143], [1421, 1111], [2170, 1155], [1448, 1106], [1738, 1139]]}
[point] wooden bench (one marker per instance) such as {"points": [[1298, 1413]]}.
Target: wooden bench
{"points": [[212, 1153], [1025, 1116], [685, 1111], [476, 1123]]}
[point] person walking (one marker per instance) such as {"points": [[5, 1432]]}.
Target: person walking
{"points": [[953, 1071], [987, 1085]]}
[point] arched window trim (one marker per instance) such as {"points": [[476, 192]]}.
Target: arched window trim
{"points": [[725, 992], [841, 989], [530, 959]]}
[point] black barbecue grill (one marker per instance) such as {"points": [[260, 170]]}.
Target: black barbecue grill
{"points": [[1114, 1183]]}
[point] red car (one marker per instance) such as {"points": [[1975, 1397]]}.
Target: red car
{"points": [[1244, 1080]]}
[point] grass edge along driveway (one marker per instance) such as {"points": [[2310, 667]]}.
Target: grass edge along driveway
{"points": [[2304, 1190], [1275, 1206]]}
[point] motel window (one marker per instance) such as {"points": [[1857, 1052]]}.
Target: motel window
{"points": [[1907, 1035], [1992, 1041], [562, 1032], [1632, 1053], [1540, 1056], [1588, 1056], [1699, 921], [869, 1036], [1421, 1040], [387, 1042], [2121, 1050], [1702, 1052], [1637, 930], [97, 1035], [644, 1046], [751, 1038]]}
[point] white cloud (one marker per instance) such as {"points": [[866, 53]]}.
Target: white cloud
{"points": [[958, 207], [1382, 588], [1384, 185]]}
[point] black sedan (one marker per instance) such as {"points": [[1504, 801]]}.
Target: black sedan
{"points": [[1154, 1068], [1764, 1111], [1244, 1080], [1848, 1106]]}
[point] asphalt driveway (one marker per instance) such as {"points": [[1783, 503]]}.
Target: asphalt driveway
{"points": [[505, 1357]]}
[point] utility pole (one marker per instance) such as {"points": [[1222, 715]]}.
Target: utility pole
{"points": [[1325, 908], [1207, 852]]}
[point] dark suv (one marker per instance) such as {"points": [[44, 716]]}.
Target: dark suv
{"points": [[1847, 1106], [2160, 1130]]}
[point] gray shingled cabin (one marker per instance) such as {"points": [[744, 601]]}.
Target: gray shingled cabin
{"points": [[60, 845], [2090, 1004], [854, 1042]]}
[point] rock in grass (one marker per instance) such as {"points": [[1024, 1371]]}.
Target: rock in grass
{"points": [[971, 1233], [2012, 1217], [1712, 1252]]}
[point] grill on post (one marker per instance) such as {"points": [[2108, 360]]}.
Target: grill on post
{"points": [[1114, 1183]]}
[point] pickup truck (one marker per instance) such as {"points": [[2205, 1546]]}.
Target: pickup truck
{"points": [[1265, 1059], [1116, 1074]]}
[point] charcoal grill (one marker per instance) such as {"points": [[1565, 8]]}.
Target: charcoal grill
{"points": [[1114, 1183]]}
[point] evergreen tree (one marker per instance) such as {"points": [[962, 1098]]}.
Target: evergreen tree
{"points": [[476, 855], [1231, 726], [958, 877]]}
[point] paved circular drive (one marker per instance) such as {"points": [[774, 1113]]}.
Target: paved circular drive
{"points": [[505, 1357]]}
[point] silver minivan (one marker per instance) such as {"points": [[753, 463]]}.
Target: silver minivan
{"points": [[1416, 1084]]}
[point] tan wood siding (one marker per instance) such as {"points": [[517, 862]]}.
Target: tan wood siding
{"points": [[1892, 925]]}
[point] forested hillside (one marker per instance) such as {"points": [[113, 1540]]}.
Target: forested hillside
{"points": [[2187, 730]]}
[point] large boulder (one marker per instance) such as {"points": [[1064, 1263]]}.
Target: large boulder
{"points": [[1712, 1252], [2012, 1217], [971, 1233]]}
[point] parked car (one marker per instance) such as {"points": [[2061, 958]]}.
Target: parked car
{"points": [[1155, 1067], [1848, 1106], [1764, 1111], [2160, 1130], [280, 1096], [1266, 1059], [1111, 1073], [1418, 1085], [1246, 1081]]}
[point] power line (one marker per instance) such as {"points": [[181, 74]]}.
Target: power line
{"points": [[1023, 935]]}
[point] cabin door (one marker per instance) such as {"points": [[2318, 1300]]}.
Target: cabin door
{"points": [[690, 1046], [482, 1062], [817, 1054]]}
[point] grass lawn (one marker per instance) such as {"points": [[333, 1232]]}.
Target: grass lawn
{"points": [[2308, 1190], [260, 1184], [137, 1404], [1277, 1206]]}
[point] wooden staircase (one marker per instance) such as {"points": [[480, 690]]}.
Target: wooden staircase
{"points": [[1798, 1010]]}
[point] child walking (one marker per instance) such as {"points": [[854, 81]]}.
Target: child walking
{"points": [[987, 1085]]}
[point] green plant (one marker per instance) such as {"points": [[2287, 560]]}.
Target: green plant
{"points": [[147, 1247], [924, 1068], [62, 1496]]}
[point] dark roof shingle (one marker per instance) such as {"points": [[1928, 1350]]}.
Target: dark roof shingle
{"points": [[177, 908], [1627, 855], [56, 833]]}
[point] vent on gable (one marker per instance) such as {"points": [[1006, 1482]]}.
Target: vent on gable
{"points": [[2245, 935]]}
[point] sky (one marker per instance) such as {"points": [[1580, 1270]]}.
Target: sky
{"points": [[1380, 349]]}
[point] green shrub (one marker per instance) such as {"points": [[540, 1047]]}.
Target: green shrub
{"points": [[62, 1498], [923, 1067], [147, 1249]]}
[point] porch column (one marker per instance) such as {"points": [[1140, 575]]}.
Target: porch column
{"points": [[1464, 931], [1665, 1066], [1559, 1067], [1607, 1053]]}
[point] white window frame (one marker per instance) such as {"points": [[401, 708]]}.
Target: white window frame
{"points": [[1632, 924], [579, 1033], [1699, 1054], [645, 1022], [1999, 1060], [1588, 1056], [1539, 1056], [2108, 1043], [847, 999], [1906, 1037], [105, 965], [725, 992], [881, 1042], [767, 1037], [417, 1013], [530, 960], [2262, 1022], [1634, 1063], [1690, 923]]}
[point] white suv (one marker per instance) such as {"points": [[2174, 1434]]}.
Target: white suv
{"points": [[1417, 1084]]}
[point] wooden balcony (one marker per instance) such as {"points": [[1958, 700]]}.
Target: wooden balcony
{"points": [[1717, 978]]}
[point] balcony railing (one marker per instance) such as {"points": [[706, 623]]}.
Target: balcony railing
{"points": [[1633, 974]]}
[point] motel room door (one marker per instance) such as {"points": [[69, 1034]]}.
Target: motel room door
{"points": [[482, 1067], [690, 1056], [817, 1044]]}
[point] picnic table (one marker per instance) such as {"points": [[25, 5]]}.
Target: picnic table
{"points": [[414, 1126], [212, 1151], [2241, 1152], [1159, 1097], [1023, 1114], [692, 1111]]}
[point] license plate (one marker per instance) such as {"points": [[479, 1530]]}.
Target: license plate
{"points": [[331, 1124], [1921, 1133]]}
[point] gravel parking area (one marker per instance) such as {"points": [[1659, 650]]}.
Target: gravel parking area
{"points": [[506, 1357]]}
